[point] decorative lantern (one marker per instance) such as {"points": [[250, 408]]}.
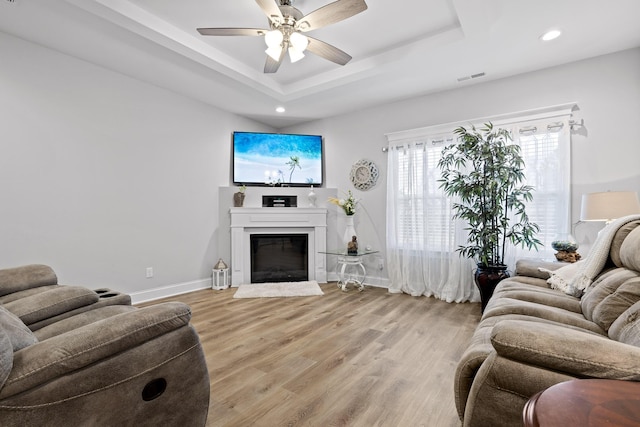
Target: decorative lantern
{"points": [[220, 276]]}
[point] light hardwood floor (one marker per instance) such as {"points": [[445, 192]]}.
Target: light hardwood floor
{"points": [[342, 359]]}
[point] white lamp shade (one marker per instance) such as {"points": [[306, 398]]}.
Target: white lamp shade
{"points": [[299, 41], [273, 38], [295, 55], [274, 52], [609, 205]]}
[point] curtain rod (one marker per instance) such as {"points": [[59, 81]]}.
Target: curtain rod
{"points": [[531, 129], [433, 142], [562, 110]]}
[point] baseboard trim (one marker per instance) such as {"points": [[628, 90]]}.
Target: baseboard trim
{"points": [[196, 285], [169, 291]]}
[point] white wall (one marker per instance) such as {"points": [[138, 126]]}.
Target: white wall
{"points": [[102, 176], [605, 152]]}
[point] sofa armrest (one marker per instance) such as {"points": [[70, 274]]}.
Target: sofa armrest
{"points": [[530, 267], [51, 303], [26, 277], [69, 352], [580, 354]]}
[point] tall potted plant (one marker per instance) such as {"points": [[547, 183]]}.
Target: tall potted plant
{"points": [[485, 173]]}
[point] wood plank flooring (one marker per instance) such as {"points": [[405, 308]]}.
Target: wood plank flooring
{"points": [[343, 359]]}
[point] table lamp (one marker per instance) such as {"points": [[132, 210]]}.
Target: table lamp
{"points": [[610, 205]]}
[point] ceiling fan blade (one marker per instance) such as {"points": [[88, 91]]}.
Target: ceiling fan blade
{"points": [[271, 66], [330, 14], [232, 31], [271, 9], [328, 51]]}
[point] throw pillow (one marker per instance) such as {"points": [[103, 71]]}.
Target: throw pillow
{"points": [[19, 335], [563, 277]]}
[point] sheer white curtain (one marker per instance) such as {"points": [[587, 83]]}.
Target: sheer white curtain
{"points": [[421, 236], [546, 150]]}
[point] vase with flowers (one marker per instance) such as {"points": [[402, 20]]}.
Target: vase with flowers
{"points": [[348, 205]]}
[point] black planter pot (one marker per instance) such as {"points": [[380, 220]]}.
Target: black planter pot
{"points": [[487, 278]]}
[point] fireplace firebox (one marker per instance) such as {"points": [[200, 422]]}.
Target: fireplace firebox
{"points": [[279, 258]]}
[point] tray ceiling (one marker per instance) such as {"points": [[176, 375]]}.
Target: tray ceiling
{"points": [[399, 49]]}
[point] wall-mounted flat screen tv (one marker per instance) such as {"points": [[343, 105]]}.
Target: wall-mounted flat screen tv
{"points": [[277, 159]]}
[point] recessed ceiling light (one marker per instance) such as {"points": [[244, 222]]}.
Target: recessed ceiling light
{"points": [[550, 35], [280, 110]]}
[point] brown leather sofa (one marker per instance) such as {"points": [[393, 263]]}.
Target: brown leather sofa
{"points": [[532, 336], [73, 356]]}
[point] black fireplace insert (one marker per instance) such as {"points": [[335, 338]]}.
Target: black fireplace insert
{"points": [[279, 258]]}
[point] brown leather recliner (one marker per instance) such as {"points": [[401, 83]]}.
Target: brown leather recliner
{"points": [[73, 356]]}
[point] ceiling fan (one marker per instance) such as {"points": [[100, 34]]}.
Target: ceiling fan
{"points": [[286, 25]]}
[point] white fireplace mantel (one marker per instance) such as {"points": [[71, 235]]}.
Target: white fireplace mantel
{"points": [[247, 221]]}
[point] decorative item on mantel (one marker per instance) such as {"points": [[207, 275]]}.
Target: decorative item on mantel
{"points": [[312, 198], [238, 197], [220, 276], [348, 205]]}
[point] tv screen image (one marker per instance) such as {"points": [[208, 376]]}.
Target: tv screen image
{"points": [[277, 159]]}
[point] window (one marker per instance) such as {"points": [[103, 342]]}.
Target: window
{"points": [[421, 236], [423, 211], [419, 198], [543, 170]]}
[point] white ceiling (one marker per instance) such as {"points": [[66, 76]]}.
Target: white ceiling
{"points": [[400, 49]]}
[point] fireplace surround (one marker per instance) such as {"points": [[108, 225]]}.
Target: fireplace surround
{"points": [[245, 222]]}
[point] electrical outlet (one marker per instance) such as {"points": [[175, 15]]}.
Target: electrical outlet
{"points": [[149, 272]]}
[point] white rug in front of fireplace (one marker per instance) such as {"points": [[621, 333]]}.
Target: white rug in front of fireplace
{"points": [[279, 289]]}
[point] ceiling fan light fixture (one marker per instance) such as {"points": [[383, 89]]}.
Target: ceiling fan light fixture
{"points": [[273, 38], [274, 52], [295, 55], [299, 41], [286, 27]]}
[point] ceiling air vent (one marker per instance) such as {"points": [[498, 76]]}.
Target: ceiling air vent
{"points": [[472, 76]]}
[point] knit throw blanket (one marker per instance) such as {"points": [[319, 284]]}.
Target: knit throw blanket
{"points": [[574, 279]]}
